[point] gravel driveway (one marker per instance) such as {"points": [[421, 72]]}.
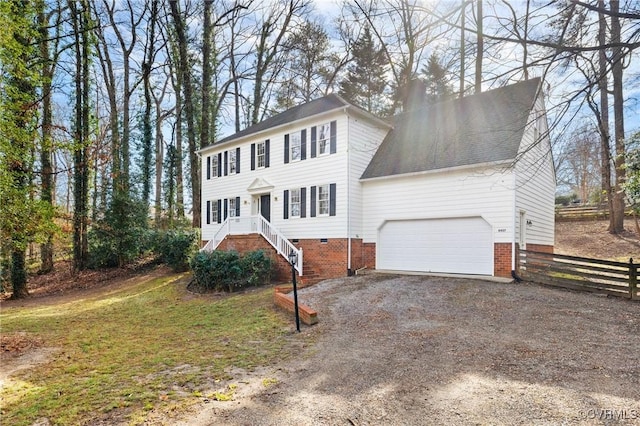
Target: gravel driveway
{"points": [[420, 350]]}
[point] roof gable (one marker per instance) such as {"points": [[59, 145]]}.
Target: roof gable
{"points": [[482, 128]]}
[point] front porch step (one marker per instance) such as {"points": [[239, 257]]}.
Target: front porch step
{"points": [[310, 276]]}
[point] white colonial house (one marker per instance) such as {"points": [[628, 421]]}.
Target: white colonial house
{"points": [[453, 187]]}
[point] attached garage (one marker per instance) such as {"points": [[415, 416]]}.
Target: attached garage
{"points": [[447, 245]]}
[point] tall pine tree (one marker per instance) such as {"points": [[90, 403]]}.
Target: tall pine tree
{"points": [[365, 83], [436, 80]]}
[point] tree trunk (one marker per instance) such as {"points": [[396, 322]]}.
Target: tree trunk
{"points": [[46, 194], [81, 26], [618, 113], [183, 71], [206, 75], [147, 136], [603, 119]]}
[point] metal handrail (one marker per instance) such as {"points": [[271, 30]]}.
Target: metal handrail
{"points": [[256, 224]]}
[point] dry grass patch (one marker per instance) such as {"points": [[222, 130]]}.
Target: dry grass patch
{"points": [[142, 347]]}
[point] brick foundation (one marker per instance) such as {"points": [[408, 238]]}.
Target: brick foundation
{"points": [[323, 260], [502, 260]]}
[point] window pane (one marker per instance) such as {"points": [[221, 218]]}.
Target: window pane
{"points": [[324, 134], [295, 146], [323, 200], [260, 154], [232, 207], [295, 203], [232, 161]]}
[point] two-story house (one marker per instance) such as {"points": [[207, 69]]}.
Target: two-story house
{"points": [[453, 187], [292, 181]]}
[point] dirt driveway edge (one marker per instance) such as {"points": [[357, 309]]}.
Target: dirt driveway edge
{"points": [[434, 350]]}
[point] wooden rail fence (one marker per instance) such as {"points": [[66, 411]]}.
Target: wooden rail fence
{"points": [[581, 273], [573, 213]]}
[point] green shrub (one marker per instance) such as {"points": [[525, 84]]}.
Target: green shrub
{"points": [[121, 235], [227, 271], [257, 267], [175, 247]]}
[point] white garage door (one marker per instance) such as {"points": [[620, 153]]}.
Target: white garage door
{"points": [[449, 245]]}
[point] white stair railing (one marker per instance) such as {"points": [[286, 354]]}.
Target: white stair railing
{"points": [[252, 225]]}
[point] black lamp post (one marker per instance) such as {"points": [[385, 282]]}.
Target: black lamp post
{"points": [[293, 259]]}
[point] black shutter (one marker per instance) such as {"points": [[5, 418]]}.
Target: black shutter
{"points": [[208, 212], [253, 156], [266, 153], [238, 160], [219, 164], [285, 207], [226, 163], [313, 142], [219, 211], [303, 202], [226, 208], [334, 144], [237, 206], [286, 149], [208, 170], [303, 145], [313, 201], [332, 199]]}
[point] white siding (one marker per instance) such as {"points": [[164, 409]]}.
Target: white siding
{"points": [[535, 183], [364, 140], [321, 170], [485, 193]]}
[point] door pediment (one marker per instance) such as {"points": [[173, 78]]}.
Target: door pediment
{"points": [[260, 185]]}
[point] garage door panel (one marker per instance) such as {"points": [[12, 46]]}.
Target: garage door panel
{"points": [[451, 245]]}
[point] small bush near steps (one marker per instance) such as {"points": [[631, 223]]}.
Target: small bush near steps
{"points": [[228, 271], [175, 247]]}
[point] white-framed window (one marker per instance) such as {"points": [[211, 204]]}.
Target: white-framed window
{"points": [[295, 146], [324, 138], [260, 154], [215, 214], [214, 166], [294, 203], [323, 200], [232, 206], [232, 161]]}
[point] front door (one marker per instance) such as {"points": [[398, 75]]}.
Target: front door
{"points": [[265, 207]]}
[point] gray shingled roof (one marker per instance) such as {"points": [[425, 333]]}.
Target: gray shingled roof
{"points": [[481, 128], [317, 106]]}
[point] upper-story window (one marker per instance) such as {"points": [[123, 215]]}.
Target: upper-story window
{"points": [[324, 137], [214, 166], [295, 146], [260, 155], [232, 162]]}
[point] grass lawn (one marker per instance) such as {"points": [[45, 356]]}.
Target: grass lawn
{"points": [[144, 346]]}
